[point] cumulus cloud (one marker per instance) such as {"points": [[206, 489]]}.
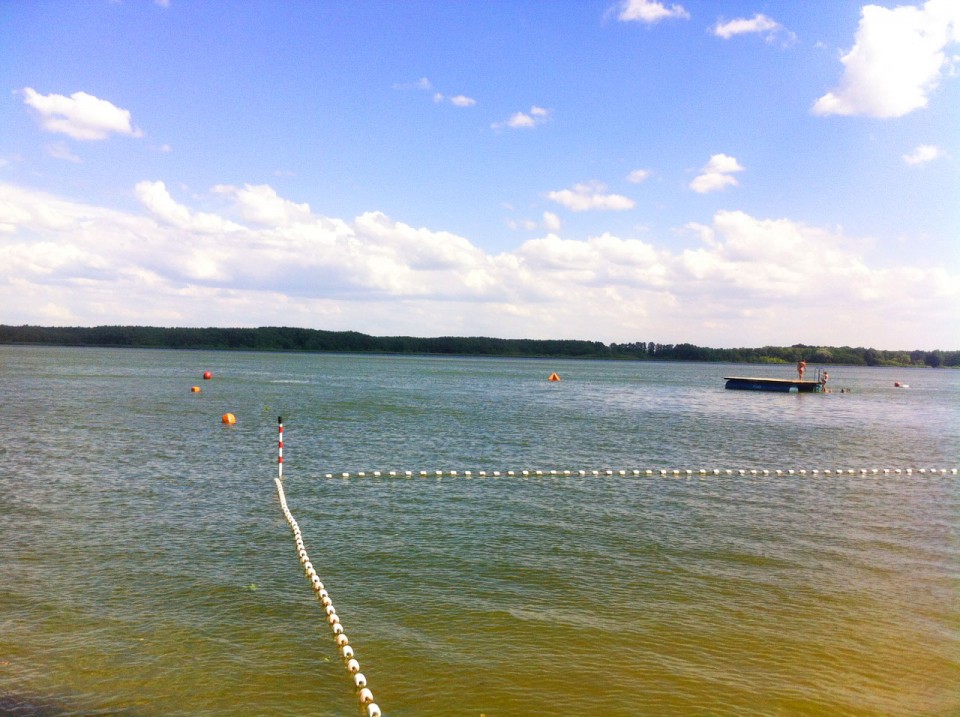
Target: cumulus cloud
{"points": [[759, 24], [770, 268], [589, 196], [923, 154], [69, 262], [523, 120], [649, 11], [158, 201], [260, 204], [639, 175], [897, 60], [552, 222], [456, 101], [717, 175], [80, 116]]}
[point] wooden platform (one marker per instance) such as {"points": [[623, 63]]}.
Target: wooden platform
{"points": [[783, 385]]}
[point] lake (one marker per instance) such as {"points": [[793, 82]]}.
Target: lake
{"points": [[664, 546]]}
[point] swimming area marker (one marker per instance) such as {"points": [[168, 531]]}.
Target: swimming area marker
{"points": [[364, 695]]}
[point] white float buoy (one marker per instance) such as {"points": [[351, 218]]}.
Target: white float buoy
{"points": [[353, 665], [366, 696], [360, 680]]}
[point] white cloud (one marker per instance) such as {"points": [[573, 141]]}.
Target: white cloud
{"points": [[551, 222], [522, 120], [749, 280], [717, 174], [155, 197], [649, 11], [590, 196], [759, 24], [456, 101], [897, 60], [80, 116], [261, 205], [922, 154], [424, 85], [639, 175]]}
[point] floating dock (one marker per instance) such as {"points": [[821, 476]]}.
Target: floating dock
{"points": [[783, 385]]}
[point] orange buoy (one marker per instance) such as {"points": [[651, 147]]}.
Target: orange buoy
{"points": [[207, 375], [554, 377], [229, 419], [194, 389]]}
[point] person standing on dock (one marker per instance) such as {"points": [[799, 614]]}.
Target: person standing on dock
{"points": [[801, 367]]}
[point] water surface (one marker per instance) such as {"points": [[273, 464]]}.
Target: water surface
{"points": [[146, 567]]}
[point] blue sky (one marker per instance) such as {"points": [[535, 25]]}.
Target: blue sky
{"points": [[721, 173]]}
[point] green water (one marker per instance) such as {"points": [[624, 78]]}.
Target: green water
{"points": [[146, 567]]}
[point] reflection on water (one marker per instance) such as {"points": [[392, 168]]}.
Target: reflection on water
{"points": [[146, 568]]}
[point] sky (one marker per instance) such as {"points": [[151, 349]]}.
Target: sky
{"points": [[727, 174]]}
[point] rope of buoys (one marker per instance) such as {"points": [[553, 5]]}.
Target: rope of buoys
{"points": [[636, 472], [333, 619]]}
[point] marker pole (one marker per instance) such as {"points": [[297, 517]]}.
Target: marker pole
{"points": [[280, 449]]}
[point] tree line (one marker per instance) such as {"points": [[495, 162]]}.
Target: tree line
{"points": [[276, 338]]}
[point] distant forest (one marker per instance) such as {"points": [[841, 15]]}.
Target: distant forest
{"points": [[313, 340]]}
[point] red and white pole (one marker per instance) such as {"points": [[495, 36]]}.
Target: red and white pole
{"points": [[280, 449]]}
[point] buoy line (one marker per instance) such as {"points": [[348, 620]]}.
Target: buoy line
{"points": [[648, 472], [333, 619]]}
